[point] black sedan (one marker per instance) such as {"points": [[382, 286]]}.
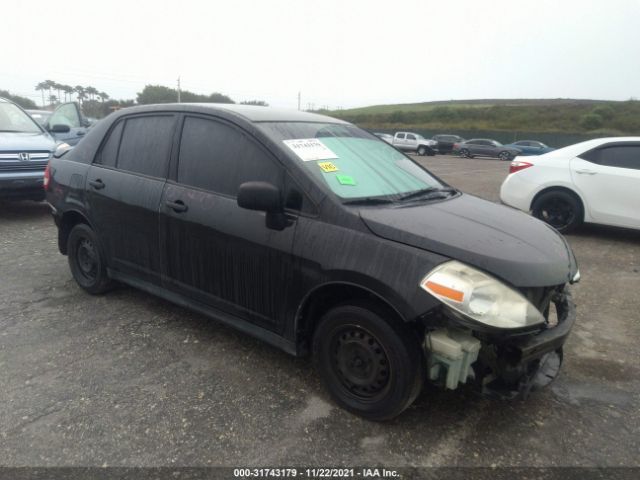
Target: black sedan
{"points": [[484, 147], [446, 142]]}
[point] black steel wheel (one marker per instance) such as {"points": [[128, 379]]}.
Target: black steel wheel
{"points": [[360, 362], [562, 210], [86, 260], [371, 364]]}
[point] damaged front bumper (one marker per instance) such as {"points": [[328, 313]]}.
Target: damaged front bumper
{"points": [[507, 366]]}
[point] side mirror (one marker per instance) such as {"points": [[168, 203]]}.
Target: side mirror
{"points": [[264, 197], [261, 196], [60, 128]]}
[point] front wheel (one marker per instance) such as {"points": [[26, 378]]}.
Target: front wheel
{"points": [[422, 151], [87, 261], [561, 210], [371, 364]]}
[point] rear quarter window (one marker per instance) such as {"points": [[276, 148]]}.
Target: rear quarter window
{"points": [[109, 152]]}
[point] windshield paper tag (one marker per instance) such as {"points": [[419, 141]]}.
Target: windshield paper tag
{"points": [[327, 167], [310, 149]]}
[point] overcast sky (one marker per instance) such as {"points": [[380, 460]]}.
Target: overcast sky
{"points": [[337, 53]]}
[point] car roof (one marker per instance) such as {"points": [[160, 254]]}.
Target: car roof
{"points": [[253, 113], [578, 148]]}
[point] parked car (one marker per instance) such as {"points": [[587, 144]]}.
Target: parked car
{"points": [[40, 116], [287, 226], [385, 136], [530, 147], [485, 147], [597, 181], [68, 115], [414, 142], [445, 142], [25, 148]]}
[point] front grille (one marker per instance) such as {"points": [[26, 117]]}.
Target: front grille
{"points": [[24, 167]]}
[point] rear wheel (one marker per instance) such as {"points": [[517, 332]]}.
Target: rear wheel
{"points": [[371, 365], [86, 260], [465, 153], [562, 210], [505, 155]]}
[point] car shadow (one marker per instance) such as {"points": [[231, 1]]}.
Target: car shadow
{"points": [[22, 210], [606, 233]]}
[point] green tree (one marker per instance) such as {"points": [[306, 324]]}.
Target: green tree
{"points": [[91, 91], [42, 86], [22, 101], [161, 94], [605, 111], [591, 121], [79, 89]]}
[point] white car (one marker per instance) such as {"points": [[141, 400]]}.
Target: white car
{"points": [[597, 181]]}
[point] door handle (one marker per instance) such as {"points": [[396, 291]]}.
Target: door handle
{"points": [[178, 206], [586, 172], [80, 133], [97, 184]]}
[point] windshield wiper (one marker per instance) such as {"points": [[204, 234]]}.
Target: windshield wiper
{"points": [[427, 191], [368, 201]]}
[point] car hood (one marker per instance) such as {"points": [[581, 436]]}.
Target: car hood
{"points": [[26, 142], [507, 243]]}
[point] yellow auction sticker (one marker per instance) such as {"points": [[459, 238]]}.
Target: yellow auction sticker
{"points": [[327, 167]]}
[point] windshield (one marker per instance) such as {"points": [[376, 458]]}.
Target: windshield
{"points": [[350, 161], [13, 119]]}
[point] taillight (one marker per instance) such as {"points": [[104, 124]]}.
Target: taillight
{"points": [[47, 177], [518, 165], [455, 146]]}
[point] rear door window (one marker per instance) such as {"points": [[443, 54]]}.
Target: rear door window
{"points": [[218, 157], [146, 145]]}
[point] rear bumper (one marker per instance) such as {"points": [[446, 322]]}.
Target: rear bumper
{"points": [[22, 186], [517, 193]]}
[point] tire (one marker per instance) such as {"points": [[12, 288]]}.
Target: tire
{"points": [[371, 365], [431, 153], [87, 260], [504, 155], [465, 153], [562, 210], [422, 151]]}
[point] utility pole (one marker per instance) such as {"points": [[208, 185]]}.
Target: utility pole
{"points": [[298, 100], [178, 89]]}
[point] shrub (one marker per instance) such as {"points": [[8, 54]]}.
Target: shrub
{"points": [[591, 121]]}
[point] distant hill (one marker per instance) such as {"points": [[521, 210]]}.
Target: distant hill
{"points": [[561, 115]]}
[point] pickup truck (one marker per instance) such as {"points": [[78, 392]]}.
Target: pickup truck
{"points": [[414, 142]]}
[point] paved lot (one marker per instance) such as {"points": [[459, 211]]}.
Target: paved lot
{"points": [[127, 379]]}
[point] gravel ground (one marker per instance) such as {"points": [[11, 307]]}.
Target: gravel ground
{"points": [[128, 379]]}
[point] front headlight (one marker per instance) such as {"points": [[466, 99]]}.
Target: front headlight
{"points": [[480, 296]]}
